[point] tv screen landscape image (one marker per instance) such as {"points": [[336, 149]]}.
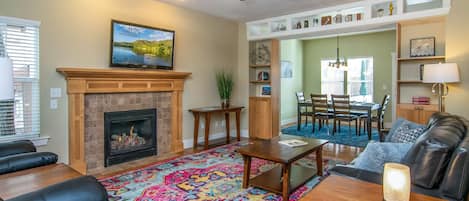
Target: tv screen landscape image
{"points": [[138, 46]]}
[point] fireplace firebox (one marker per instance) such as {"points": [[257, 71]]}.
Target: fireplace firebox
{"points": [[129, 135]]}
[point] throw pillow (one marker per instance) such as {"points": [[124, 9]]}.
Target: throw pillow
{"points": [[404, 126], [405, 134], [376, 155]]}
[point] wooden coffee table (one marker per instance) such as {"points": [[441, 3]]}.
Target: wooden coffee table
{"points": [[25, 181], [285, 179], [339, 188]]}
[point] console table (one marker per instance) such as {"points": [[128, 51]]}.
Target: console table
{"points": [[340, 188], [207, 112]]}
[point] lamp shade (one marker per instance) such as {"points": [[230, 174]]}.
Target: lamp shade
{"points": [[6, 81], [441, 73], [396, 182]]}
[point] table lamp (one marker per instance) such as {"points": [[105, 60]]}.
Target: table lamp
{"points": [[396, 182], [6, 97], [440, 74]]}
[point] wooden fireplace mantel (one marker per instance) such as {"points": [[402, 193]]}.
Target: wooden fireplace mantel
{"points": [[82, 81]]}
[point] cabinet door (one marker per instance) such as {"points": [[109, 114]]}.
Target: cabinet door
{"points": [[409, 112], [426, 112], [260, 118]]}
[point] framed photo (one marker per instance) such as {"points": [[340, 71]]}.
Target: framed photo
{"points": [[286, 68], [422, 47], [265, 90], [325, 20], [263, 76]]}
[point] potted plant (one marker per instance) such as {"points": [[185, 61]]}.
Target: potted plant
{"points": [[225, 87]]}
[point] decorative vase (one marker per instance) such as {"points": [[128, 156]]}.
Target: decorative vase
{"points": [[225, 103]]}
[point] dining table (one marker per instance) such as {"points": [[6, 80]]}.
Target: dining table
{"points": [[365, 107]]}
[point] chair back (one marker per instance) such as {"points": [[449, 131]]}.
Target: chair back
{"points": [[341, 104], [384, 107], [319, 102], [300, 96]]}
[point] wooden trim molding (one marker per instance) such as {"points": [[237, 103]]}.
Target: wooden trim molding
{"points": [[82, 81]]}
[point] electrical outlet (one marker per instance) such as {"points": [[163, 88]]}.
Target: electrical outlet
{"points": [[54, 104]]}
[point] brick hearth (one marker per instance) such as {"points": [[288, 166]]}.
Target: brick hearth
{"points": [[97, 104]]}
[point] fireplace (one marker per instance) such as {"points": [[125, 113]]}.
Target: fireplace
{"points": [[129, 135]]}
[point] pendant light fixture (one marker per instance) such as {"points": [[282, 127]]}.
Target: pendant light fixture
{"points": [[338, 63]]}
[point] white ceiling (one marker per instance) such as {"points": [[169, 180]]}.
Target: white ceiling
{"points": [[248, 10]]}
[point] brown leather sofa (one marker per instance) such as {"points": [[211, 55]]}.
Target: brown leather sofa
{"points": [[439, 160]]}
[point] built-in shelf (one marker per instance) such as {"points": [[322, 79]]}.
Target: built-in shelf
{"points": [[260, 82], [422, 58], [260, 66], [355, 17]]}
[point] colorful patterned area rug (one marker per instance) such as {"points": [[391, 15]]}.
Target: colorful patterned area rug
{"points": [[215, 174]]}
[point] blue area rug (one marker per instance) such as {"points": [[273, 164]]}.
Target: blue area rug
{"points": [[342, 137]]}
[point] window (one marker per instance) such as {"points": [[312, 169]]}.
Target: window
{"points": [[360, 79], [332, 79], [21, 44], [357, 82]]}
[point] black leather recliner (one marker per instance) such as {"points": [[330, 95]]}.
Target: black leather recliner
{"points": [[20, 155], [85, 188], [438, 160]]}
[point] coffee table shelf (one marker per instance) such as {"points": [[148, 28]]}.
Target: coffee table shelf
{"points": [[299, 176]]}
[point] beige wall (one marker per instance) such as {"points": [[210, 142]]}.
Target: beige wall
{"points": [[292, 51], [457, 50], [76, 33]]}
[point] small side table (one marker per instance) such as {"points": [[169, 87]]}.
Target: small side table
{"points": [[207, 112]]}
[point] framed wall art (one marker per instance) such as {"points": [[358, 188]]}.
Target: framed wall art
{"points": [[422, 47]]}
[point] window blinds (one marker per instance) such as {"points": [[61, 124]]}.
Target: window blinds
{"points": [[21, 42]]}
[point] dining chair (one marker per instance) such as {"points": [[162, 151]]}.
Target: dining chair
{"points": [[341, 108], [379, 117], [320, 110], [302, 110]]}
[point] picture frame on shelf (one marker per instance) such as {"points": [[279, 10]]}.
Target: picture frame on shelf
{"points": [[326, 20], [264, 90], [422, 47], [349, 18]]}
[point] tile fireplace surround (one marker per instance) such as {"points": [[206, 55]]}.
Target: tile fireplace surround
{"points": [[92, 91]]}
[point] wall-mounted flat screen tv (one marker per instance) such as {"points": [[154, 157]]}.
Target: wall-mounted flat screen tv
{"points": [[137, 46]]}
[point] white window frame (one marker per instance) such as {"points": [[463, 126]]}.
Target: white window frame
{"points": [[34, 133]]}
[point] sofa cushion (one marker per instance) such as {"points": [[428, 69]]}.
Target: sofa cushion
{"points": [[404, 131], [376, 155], [455, 185], [78, 189], [25, 161], [430, 154], [16, 147]]}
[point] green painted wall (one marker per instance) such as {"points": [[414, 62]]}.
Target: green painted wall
{"points": [[378, 45], [291, 50]]}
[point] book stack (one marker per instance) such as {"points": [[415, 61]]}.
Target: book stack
{"points": [[293, 143], [420, 100]]}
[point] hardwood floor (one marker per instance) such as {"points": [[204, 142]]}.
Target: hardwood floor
{"points": [[330, 151]]}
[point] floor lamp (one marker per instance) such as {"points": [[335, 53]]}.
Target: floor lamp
{"points": [[440, 74], [7, 104]]}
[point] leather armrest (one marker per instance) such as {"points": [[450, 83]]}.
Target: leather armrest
{"points": [[16, 147], [23, 161], [78, 189]]}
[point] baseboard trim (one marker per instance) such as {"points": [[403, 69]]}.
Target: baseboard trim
{"points": [[189, 143], [288, 121]]}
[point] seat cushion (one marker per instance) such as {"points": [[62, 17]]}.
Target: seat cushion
{"points": [[23, 161]]}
